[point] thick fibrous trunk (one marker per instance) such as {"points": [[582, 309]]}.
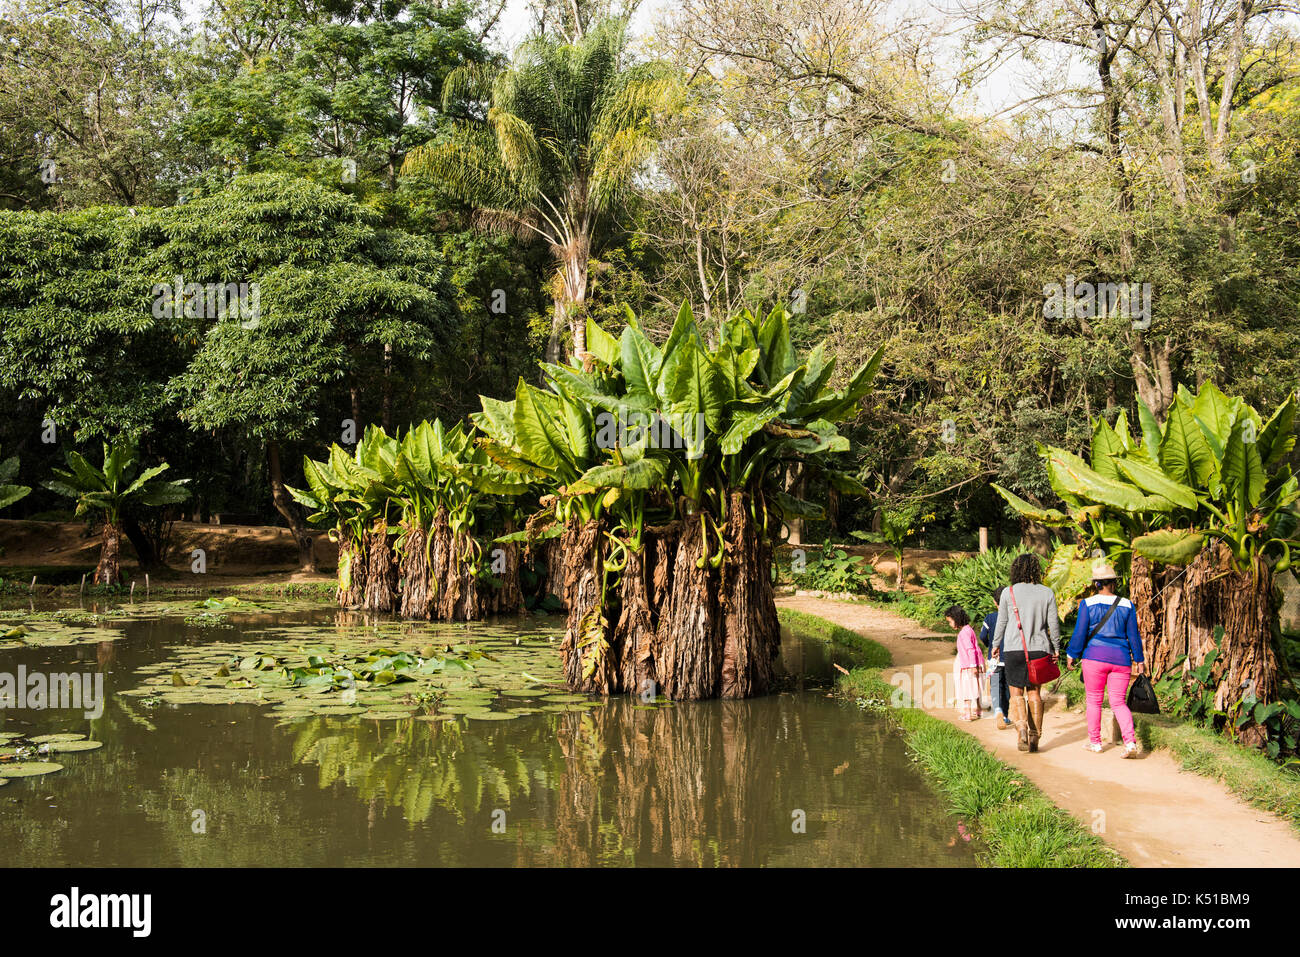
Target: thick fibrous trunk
{"points": [[109, 569], [688, 655], [351, 572], [588, 663], [751, 633], [381, 573], [440, 565], [1178, 610], [508, 598], [633, 641], [468, 605], [415, 573]]}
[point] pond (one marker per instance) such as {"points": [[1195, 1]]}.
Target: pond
{"points": [[184, 778]]}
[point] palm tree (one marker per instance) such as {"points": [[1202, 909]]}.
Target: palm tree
{"points": [[563, 129], [113, 490]]}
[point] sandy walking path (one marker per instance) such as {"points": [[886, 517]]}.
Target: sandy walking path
{"points": [[1149, 809]]}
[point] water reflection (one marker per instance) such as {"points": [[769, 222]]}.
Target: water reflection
{"points": [[701, 784]]}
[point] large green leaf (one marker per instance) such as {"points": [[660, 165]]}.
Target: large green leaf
{"points": [[1107, 447], [1151, 479], [602, 345], [1184, 453], [641, 363], [12, 493], [1073, 476], [1277, 438], [1150, 430], [638, 475], [1043, 516], [1242, 470], [1169, 546]]}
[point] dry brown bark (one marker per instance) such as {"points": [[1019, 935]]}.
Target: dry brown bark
{"points": [[688, 658], [751, 633], [633, 640], [583, 551], [1178, 610], [381, 571], [415, 572], [109, 569]]}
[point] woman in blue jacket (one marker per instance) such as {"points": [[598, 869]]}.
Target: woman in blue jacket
{"points": [[1107, 640]]}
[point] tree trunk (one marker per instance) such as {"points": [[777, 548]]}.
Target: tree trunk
{"points": [[468, 605], [633, 641], [588, 663], [509, 597], [442, 603], [144, 550], [109, 569], [381, 574], [284, 504], [415, 572], [351, 572], [751, 632], [688, 658], [1178, 610]]}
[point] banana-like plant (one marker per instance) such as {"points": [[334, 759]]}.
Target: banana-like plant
{"points": [[1200, 510], [699, 438], [10, 493], [119, 485]]}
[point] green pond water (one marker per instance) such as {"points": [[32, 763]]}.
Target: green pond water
{"points": [[483, 760]]}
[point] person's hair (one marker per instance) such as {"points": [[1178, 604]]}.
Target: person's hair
{"points": [[958, 615], [1100, 583], [1026, 569], [997, 594]]}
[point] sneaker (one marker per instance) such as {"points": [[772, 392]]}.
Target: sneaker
{"points": [[1094, 748], [1131, 749]]}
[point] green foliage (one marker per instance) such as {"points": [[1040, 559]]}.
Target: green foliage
{"points": [[118, 485], [970, 582], [833, 570], [10, 493], [1213, 469]]}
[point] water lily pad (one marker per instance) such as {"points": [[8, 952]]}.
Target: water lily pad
{"points": [[66, 747], [567, 699], [492, 715], [47, 738], [28, 769], [386, 715]]}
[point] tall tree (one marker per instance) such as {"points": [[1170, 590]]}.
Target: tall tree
{"points": [[548, 147]]}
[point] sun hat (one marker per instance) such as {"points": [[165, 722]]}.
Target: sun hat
{"points": [[1103, 571]]}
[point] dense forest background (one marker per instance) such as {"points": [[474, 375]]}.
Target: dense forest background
{"points": [[833, 156]]}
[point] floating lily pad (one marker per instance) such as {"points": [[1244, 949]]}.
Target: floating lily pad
{"points": [[567, 699], [492, 715], [386, 715], [66, 747], [28, 769], [47, 738]]}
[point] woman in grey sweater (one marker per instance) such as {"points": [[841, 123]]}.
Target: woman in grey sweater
{"points": [[1042, 635]]}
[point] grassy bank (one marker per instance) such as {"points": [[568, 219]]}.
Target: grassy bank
{"points": [[871, 654], [1014, 820]]}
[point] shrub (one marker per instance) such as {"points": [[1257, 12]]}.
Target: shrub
{"points": [[970, 582]]}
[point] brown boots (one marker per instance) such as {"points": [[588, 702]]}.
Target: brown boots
{"points": [[1020, 718], [1035, 722]]}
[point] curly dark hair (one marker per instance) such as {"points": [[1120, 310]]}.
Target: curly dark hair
{"points": [[958, 615], [1027, 568]]}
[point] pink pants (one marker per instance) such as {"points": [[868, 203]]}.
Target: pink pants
{"points": [[1099, 678]]}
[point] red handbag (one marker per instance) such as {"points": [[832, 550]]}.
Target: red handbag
{"points": [[1039, 671]]}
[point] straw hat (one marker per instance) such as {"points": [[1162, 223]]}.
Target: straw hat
{"points": [[1103, 571]]}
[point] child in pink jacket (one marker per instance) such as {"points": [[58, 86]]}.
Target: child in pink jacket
{"points": [[968, 666]]}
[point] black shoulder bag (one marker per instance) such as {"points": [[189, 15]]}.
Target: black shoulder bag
{"points": [[1092, 633]]}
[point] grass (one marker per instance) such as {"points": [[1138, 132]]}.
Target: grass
{"points": [[871, 654], [1016, 823], [1250, 775]]}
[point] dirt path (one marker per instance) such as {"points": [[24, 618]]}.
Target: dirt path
{"points": [[1150, 810]]}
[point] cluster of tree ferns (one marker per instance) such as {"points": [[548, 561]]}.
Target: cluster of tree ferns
{"points": [[652, 479]]}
